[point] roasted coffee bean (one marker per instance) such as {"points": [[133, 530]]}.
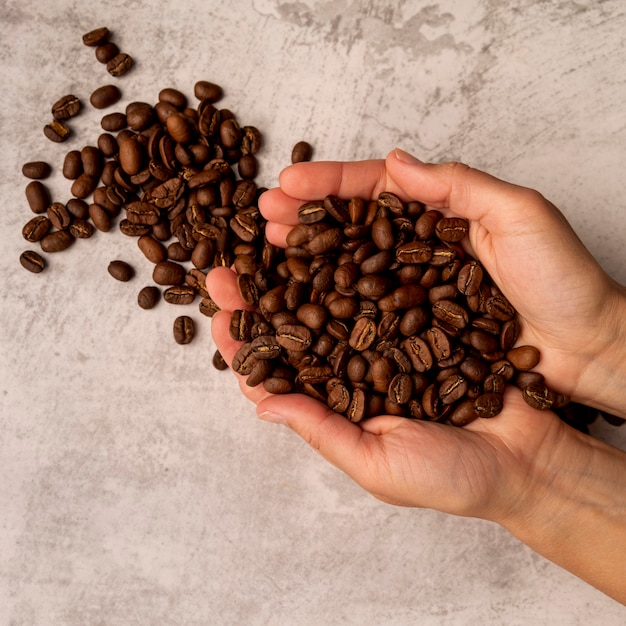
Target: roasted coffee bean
{"points": [[265, 347], [184, 329], [148, 297], [451, 313], [452, 389], [523, 379], [426, 224], [311, 212], [72, 165], [313, 316], [121, 270], [205, 90], [119, 64], [96, 37], [301, 151], [168, 273], [56, 131], [294, 337], [100, 218], [152, 249], [539, 396], [105, 96], [499, 307], [469, 278], [463, 413], [37, 170], [382, 233], [66, 107], [400, 388], [81, 229], [112, 122], [488, 404], [36, 228], [106, 51], [32, 261], [219, 363], [523, 358], [278, 385], [451, 229], [414, 252], [59, 216], [57, 241], [248, 290], [241, 322], [363, 334], [179, 294]]}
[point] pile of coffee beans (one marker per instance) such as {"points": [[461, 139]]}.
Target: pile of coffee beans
{"points": [[377, 308]]}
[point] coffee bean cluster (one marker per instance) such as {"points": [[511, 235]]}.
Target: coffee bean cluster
{"points": [[377, 308]]}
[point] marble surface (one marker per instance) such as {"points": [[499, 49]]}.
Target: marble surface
{"points": [[136, 485]]}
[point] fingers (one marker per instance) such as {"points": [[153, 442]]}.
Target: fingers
{"points": [[221, 284]]}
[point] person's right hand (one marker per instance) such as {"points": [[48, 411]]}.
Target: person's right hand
{"points": [[569, 307]]}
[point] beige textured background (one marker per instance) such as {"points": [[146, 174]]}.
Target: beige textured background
{"points": [[136, 486]]}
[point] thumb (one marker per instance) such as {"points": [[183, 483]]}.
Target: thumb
{"points": [[501, 207]]}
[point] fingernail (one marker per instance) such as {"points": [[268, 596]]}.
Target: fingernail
{"points": [[405, 157], [270, 416]]}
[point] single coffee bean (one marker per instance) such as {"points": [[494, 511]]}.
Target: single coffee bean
{"points": [[382, 233], [72, 165], [36, 228], [59, 216], [363, 334], [499, 307], [277, 385], [56, 131], [81, 229], [463, 413], [400, 388], [488, 405], [179, 128], [152, 249], [206, 91], [523, 358], [57, 241], [96, 37], [451, 229], [265, 347], [66, 107], [120, 64], [84, 185], [168, 273], [37, 170], [120, 270], [148, 297], [184, 329], [106, 51], [313, 316], [294, 337], [219, 363], [301, 151], [451, 313], [469, 278], [539, 396], [131, 156], [426, 224], [523, 379], [100, 218], [105, 96], [32, 261], [112, 122], [179, 294]]}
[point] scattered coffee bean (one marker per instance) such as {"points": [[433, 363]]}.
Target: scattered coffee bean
{"points": [[56, 131], [66, 107], [148, 297], [302, 151], [37, 170], [121, 270], [184, 329], [105, 96], [32, 261], [119, 64], [96, 37]]}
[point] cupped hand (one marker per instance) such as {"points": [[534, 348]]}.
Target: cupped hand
{"points": [[569, 307]]}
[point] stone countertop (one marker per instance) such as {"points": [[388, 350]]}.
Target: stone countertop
{"points": [[136, 485]]}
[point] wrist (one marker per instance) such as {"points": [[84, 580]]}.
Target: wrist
{"points": [[602, 382], [571, 508]]}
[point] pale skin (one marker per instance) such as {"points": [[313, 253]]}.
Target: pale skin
{"points": [[559, 491]]}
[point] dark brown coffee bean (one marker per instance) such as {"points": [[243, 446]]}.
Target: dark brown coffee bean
{"points": [[426, 223], [539, 396], [205, 90], [451, 229], [294, 337], [488, 405], [376, 263], [382, 233], [474, 369], [313, 316], [120, 270], [32, 261], [113, 122], [96, 37], [248, 166], [105, 96], [140, 212], [469, 278], [56, 131], [337, 208], [523, 379], [218, 361], [339, 398], [382, 370], [81, 229], [179, 294], [37, 196], [248, 290], [36, 228], [301, 151], [414, 252], [419, 353], [265, 347], [494, 383], [451, 313], [358, 405], [66, 107], [148, 297], [439, 343], [277, 385], [83, 186], [59, 216], [499, 307], [168, 273], [523, 358], [363, 334], [311, 212], [463, 413], [120, 64], [100, 218], [37, 170], [152, 249], [404, 297], [175, 97], [106, 51], [452, 389], [184, 329], [57, 241], [72, 165], [400, 388]]}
